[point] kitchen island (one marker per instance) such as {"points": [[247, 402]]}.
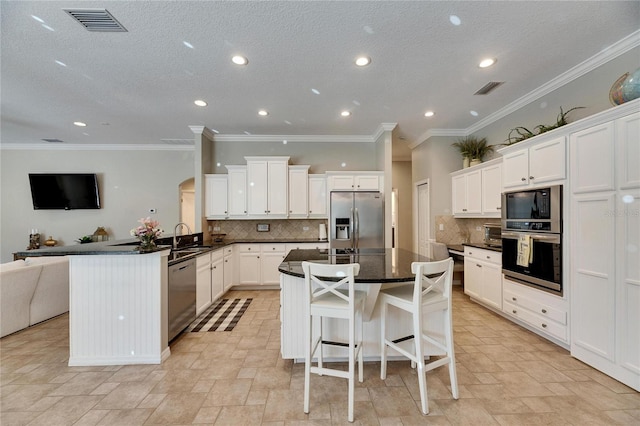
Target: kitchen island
{"points": [[117, 302], [378, 268]]}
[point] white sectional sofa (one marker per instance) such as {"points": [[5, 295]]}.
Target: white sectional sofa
{"points": [[32, 291]]}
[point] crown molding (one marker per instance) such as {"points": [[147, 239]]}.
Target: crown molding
{"points": [[293, 138], [93, 147], [437, 132]]}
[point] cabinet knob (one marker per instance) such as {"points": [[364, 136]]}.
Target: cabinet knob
{"points": [[249, 248], [258, 257], [544, 311], [464, 210], [225, 261], [273, 248], [514, 311], [290, 211], [479, 266], [488, 257], [523, 179], [514, 299], [214, 267], [544, 325], [245, 211], [531, 177]]}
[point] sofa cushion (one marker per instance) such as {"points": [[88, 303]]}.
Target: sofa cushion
{"points": [[17, 286], [10, 266], [51, 296]]}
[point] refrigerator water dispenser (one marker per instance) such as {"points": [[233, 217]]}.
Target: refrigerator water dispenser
{"points": [[342, 228]]}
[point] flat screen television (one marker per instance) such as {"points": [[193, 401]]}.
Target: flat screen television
{"points": [[64, 191]]}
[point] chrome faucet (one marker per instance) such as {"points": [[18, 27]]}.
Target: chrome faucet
{"points": [[175, 231]]}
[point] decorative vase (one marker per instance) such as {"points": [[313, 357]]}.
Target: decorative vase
{"points": [[147, 245], [465, 162], [474, 162], [631, 86]]}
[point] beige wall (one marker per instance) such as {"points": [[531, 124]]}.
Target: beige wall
{"points": [[402, 182], [130, 183], [321, 156]]}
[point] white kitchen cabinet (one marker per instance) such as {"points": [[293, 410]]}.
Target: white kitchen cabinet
{"points": [[536, 162], [271, 257], [215, 196], [364, 181], [492, 190], [267, 191], [203, 282], [248, 256], [217, 274], [306, 246], [466, 194], [229, 268], [544, 313], [298, 191], [483, 276], [317, 186], [605, 232], [237, 191]]}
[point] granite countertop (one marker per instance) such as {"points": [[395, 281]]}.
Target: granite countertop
{"points": [[483, 246], [376, 265]]}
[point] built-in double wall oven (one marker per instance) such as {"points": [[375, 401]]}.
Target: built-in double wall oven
{"points": [[532, 237]]}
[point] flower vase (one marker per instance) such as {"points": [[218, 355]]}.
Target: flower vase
{"points": [[147, 245], [465, 162]]}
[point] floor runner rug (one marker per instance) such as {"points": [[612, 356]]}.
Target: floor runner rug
{"points": [[222, 315]]}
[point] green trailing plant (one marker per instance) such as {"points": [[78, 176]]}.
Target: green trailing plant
{"points": [[85, 239], [473, 147], [518, 134]]}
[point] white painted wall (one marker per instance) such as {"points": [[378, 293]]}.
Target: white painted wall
{"points": [[130, 183], [402, 182]]}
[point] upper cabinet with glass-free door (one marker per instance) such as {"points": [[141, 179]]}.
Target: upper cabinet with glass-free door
{"points": [[267, 179]]}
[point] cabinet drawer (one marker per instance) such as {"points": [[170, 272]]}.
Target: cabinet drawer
{"points": [[541, 323], [543, 310], [251, 248], [489, 256], [217, 255], [273, 248], [228, 251], [203, 261]]}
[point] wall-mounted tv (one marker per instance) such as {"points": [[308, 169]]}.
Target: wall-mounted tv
{"points": [[64, 191]]}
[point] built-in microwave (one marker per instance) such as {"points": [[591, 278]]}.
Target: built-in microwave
{"points": [[538, 210]]}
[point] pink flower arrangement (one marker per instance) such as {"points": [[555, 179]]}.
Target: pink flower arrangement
{"points": [[148, 231]]}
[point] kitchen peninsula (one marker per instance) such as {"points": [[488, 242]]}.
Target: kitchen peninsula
{"points": [[117, 302], [378, 268]]}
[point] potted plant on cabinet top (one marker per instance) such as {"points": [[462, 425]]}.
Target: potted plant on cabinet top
{"points": [[473, 150]]}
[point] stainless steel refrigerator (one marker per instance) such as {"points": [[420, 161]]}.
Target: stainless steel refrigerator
{"points": [[357, 220]]}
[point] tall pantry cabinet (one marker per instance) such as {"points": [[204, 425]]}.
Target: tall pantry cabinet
{"points": [[604, 224]]}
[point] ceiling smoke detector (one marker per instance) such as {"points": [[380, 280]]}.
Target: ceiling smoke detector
{"points": [[99, 20], [489, 87]]}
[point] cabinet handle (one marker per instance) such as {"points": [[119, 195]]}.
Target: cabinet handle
{"points": [[479, 266], [464, 210], [531, 177], [514, 311], [498, 208], [544, 325], [544, 311], [523, 179]]}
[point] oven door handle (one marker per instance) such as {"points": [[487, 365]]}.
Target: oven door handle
{"points": [[538, 237]]}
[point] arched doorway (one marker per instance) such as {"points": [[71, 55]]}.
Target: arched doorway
{"points": [[187, 193]]}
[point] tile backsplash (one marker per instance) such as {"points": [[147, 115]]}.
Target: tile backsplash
{"points": [[278, 229], [458, 231]]}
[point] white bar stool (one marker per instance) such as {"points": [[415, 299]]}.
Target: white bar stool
{"points": [[325, 299], [430, 292]]}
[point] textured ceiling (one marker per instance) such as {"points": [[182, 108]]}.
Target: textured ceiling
{"points": [[138, 87]]}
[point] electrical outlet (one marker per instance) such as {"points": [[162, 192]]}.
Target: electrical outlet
{"points": [[305, 228], [216, 228], [210, 228], [441, 227], [478, 228]]}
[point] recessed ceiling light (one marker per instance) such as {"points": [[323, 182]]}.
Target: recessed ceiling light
{"points": [[316, 91], [345, 113], [343, 165], [189, 45], [263, 112], [288, 122], [200, 103], [62, 64], [37, 18], [240, 60], [284, 142], [215, 131], [487, 62], [363, 61], [454, 20], [45, 26], [218, 164], [429, 114], [474, 113], [79, 124]]}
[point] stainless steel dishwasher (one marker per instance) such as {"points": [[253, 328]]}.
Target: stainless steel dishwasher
{"points": [[182, 296]]}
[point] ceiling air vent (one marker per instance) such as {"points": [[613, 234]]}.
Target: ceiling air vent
{"points": [[54, 140], [99, 20], [490, 86]]}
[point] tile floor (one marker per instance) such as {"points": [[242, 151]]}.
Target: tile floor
{"points": [[506, 374]]}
